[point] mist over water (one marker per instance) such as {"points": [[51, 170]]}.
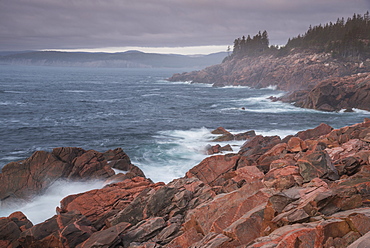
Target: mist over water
{"points": [[163, 126]]}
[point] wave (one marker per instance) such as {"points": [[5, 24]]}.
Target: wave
{"points": [[7, 103], [355, 110], [14, 92], [173, 153], [183, 82], [235, 87], [270, 87], [77, 91]]}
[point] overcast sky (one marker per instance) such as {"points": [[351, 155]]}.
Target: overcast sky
{"points": [[121, 24]]}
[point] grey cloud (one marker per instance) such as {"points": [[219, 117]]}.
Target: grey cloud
{"points": [[52, 24]]}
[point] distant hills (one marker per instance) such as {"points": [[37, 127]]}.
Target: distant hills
{"points": [[128, 59]]}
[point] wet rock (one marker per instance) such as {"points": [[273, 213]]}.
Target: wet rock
{"points": [[227, 136], [32, 176], [210, 150]]}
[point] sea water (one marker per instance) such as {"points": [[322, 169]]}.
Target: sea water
{"points": [[163, 126]]}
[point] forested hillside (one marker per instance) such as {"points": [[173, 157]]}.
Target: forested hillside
{"points": [[345, 39]]}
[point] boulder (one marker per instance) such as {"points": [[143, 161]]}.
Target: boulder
{"points": [[223, 210], [213, 167], [210, 150], [99, 204], [227, 136], [283, 178], [316, 132], [317, 164], [32, 176]]}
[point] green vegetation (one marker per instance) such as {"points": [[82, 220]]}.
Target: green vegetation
{"points": [[344, 40]]}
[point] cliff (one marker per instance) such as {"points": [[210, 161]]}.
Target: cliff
{"points": [[306, 77], [311, 189]]}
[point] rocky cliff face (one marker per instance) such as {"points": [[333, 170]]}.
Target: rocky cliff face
{"points": [[311, 189], [303, 75]]}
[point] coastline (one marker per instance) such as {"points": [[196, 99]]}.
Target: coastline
{"points": [[314, 81], [315, 183]]}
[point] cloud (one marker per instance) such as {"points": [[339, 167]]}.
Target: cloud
{"points": [[52, 24]]}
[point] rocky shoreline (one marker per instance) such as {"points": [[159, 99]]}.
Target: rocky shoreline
{"points": [[311, 189], [315, 81]]}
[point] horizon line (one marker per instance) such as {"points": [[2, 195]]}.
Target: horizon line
{"points": [[184, 50]]}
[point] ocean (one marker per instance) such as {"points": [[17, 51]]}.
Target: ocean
{"points": [[163, 126]]}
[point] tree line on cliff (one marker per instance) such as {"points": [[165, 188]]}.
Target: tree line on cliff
{"points": [[348, 39]]}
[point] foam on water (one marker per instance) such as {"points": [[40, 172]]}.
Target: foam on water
{"points": [[43, 207], [177, 151], [173, 153], [235, 87]]}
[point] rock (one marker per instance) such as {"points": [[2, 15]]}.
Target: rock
{"points": [[296, 235], [11, 228], [283, 178], [143, 231], [213, 240], [109, 237], [295, 144], [223, 210], [99, 204], [213, 167], [186, 239], [245, 136], [64, 230], [248, 227], [258, 145], [210, 150], [316, 132], [362, 242], [32, 176], [317, 164], [220, 130], [227, 136]]}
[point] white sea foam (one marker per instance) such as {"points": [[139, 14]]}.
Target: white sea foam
{"points": [[355, 110], [43, 207], [12, 103], [279, 132], [235, 87], [270, 87], [175, 152], [78, 91]]}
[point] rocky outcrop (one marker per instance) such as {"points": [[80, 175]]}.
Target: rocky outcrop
{"points": [[335, 94], [311, 189], [315, 81], [32, 176]]}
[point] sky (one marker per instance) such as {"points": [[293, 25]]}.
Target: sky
{"points": [[164, 26]]}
